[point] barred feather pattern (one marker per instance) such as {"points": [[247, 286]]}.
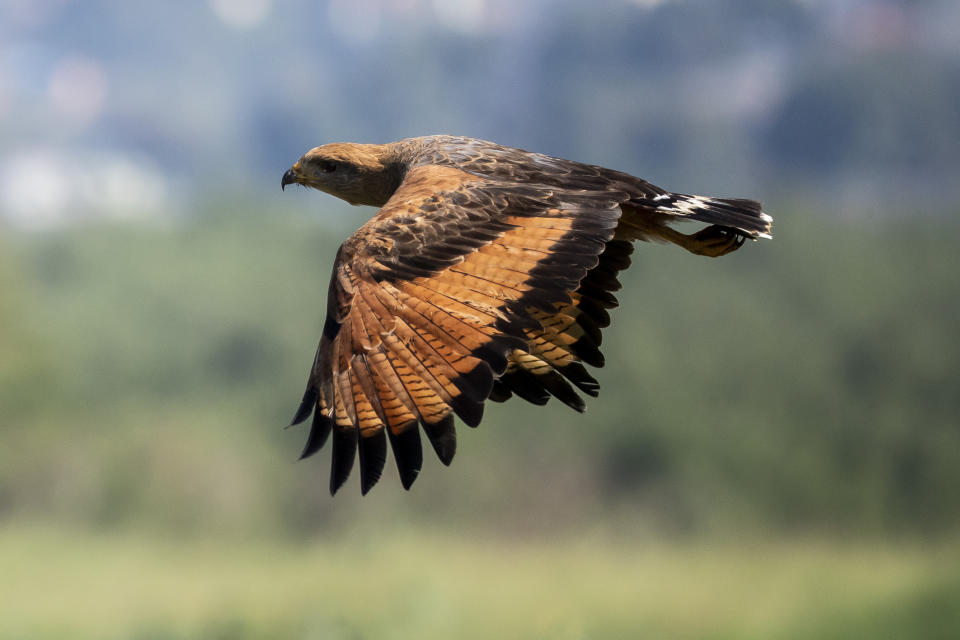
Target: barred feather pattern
{"points": [[490, 272]]}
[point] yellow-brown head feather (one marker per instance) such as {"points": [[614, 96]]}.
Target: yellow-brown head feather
{"points": [[363, 174]]}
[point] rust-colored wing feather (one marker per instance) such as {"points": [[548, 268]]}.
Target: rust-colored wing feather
{"points": [[489, 272], [462, 287]]}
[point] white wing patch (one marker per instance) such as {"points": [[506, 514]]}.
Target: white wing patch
{"points": [[684, 205]]}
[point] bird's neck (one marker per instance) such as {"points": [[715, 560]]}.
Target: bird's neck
{"points": [[384, 168]]}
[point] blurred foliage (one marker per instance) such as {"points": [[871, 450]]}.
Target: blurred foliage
{"points": [[801, 387], [24, 365], [799, 384]]}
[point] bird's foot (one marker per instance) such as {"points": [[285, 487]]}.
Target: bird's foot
{"points": [[714, 241]]}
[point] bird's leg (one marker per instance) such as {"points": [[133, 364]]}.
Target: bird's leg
{"points": [[712, 241]]}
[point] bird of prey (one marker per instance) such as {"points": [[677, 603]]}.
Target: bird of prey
{"points": [[487, 272]]}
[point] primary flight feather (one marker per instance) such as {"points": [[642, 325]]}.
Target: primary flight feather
{"points": [[487, 272]]}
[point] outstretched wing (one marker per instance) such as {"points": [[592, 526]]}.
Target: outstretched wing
{"points": [[458, 284]]}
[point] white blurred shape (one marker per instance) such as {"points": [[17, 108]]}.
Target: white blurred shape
{"points": [[467, 16], [77, 89], [29, 195], [45, 188], [241, 14]]}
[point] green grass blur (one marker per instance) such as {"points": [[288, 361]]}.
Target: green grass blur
{"points": [[438, 584], [775, 452]]}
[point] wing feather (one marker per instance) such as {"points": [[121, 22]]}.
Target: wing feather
{"points": [[447, 296]]}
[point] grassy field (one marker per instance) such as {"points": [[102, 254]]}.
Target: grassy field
{"points": [[440, 584]]}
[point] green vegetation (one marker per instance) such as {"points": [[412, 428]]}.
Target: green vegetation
{"points": [[799, 383], [786, 417], [425, 584]]}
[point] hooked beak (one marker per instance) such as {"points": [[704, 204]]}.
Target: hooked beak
{"points": [[289, 177]]}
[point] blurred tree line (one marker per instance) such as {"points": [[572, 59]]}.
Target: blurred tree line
{"points": [[803, 383]]}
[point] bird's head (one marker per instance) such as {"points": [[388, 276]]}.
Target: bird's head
{"points": [[358, 173]]}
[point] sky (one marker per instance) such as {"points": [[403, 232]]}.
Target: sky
{"points": [[133, 110]]}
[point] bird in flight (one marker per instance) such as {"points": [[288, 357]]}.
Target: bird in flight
{"points": [[487, 272]]}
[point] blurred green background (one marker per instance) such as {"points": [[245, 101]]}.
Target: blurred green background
{"points": [[775, 452]]}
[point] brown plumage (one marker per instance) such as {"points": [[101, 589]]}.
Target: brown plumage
{"points": [[487, 272]]}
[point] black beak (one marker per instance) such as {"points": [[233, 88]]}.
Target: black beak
{"points": [[288, 178]]}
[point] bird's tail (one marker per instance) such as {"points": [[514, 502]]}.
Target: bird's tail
{"points": [[746, 217], [730, 222]]}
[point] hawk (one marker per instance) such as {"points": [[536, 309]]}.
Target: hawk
{"points": [[487, 272]]}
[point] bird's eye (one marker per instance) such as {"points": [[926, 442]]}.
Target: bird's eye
{"points": [[327, 166]]}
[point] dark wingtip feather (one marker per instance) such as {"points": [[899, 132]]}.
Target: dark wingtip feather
{"points": [[306, 406], [561, 389], [500, 392], [407, 452], [494, 355], [344, 452], [443, 437], [373, 455], [477, 383], [526, 386], [588, 351], [578, 375], [470, 411], [319, 431]]}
